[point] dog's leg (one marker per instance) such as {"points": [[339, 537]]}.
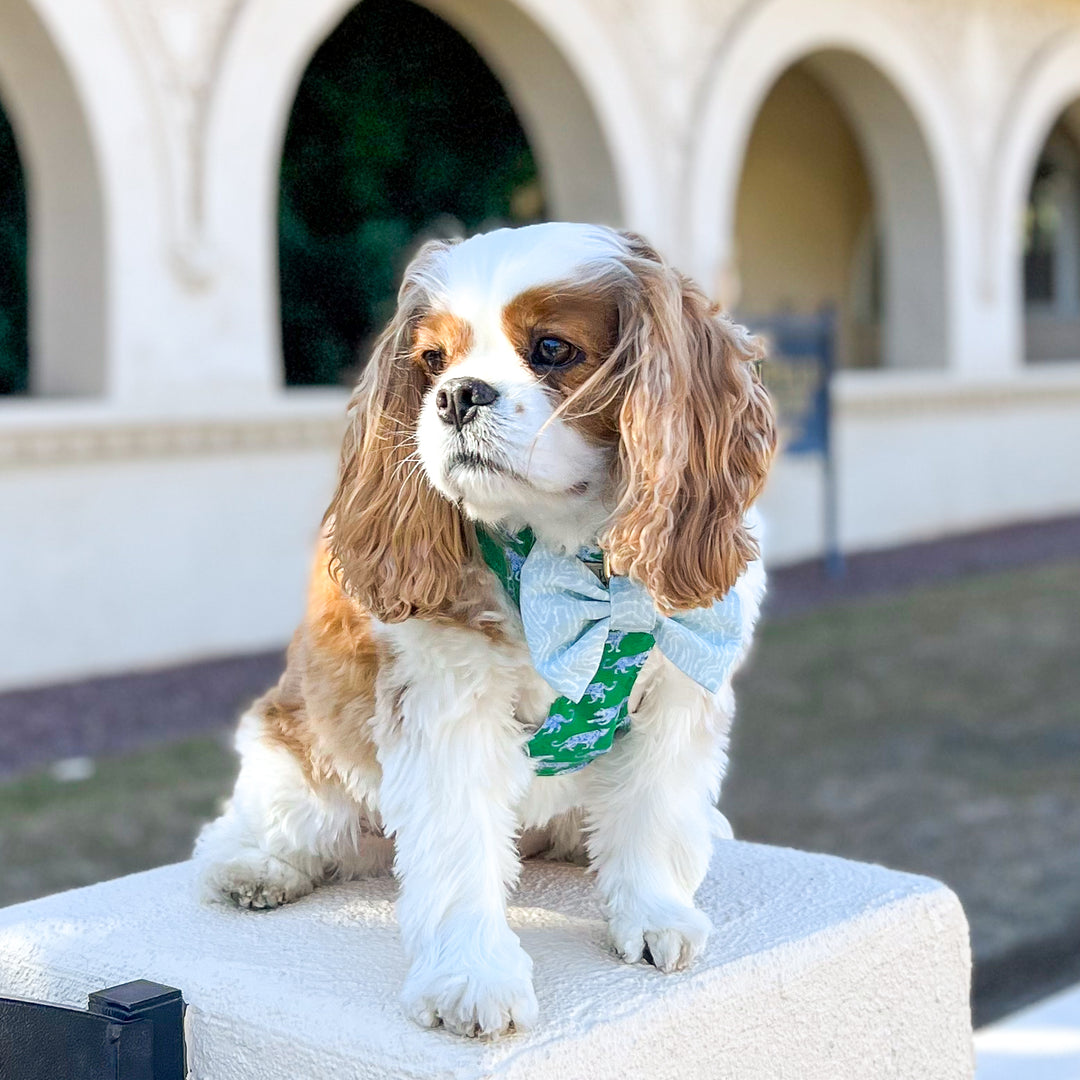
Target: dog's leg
{"points": [[454, 770], [250, 854], [278, 837], [651, 818]]}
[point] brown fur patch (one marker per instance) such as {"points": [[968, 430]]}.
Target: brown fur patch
{"points": [[284, 722], [697, 437], [397, 546], [339, 675], [445, 333], [323, 707], [587, 316]]}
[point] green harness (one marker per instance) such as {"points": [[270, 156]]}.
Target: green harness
{"points": [[574, 732]]}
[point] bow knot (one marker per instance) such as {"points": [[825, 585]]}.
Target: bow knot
{"points": [[569, 615]]}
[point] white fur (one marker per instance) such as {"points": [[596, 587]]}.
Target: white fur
{"points": [[457, 788], [474, 281], [278, 837], [486, 272], [454, 770]]}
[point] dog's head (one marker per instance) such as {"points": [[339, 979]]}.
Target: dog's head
{"points": [[551, 373]]}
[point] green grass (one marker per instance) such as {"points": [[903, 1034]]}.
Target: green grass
{"points": [[937, 731], [135, 812]]}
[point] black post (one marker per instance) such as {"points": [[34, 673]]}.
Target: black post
{"points": [[162, 1006], [834, 558]]}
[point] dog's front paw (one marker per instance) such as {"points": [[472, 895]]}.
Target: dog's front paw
{"points": [[479, 998], [667, 934], [255, 880]]}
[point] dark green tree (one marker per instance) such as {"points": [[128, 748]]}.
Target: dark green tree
{"points": [[398, 126], [13, 319]]}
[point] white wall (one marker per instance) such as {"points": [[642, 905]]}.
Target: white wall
{"points": [[919, 456], [134, 541]]}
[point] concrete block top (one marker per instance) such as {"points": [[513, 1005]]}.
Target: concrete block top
{"points": [[817, 968]]}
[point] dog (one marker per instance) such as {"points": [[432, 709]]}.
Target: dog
{"points": [[563, 384]]}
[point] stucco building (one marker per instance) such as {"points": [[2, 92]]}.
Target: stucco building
{"points": [[913, 163]]}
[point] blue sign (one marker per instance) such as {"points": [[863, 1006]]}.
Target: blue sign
{"points": [[799, 351], [798, 365]]}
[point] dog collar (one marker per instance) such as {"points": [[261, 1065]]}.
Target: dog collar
{"points": [[589, 636], [574, 732]]}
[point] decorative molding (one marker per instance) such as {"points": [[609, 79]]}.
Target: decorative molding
{"points": [[864, 393], [180, 45], [84, 443]]}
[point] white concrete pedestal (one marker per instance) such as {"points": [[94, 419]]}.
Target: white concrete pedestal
{"points": [[818, 969]]}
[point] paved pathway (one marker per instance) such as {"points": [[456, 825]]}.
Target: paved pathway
{"points": [[805, 586], [1040, 1043], [95, 717]]}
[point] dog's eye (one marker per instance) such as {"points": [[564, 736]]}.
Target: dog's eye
{"points": [[553, 352], [433, 359]]}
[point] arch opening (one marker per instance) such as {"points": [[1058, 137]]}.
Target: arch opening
{"points": [[838, 206], [412, 121], [65, 269], [14, 342], [399, 132], [1051, 251]]}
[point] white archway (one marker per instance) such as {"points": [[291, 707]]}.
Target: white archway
{"points": [[559, 68], [1049, 87], [891, 97], [65, 208]]}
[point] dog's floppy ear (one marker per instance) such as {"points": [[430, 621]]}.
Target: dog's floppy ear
{"points": [[395, 543], [697, 435]]}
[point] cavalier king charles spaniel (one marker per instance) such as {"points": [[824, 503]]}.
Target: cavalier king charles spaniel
{"points": [[553, 451]]}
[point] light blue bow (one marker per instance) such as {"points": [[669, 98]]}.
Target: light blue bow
{"points": [[567, 613]]}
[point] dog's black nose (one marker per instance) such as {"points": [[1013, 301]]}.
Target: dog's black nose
{"points": [[458, 400]]}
